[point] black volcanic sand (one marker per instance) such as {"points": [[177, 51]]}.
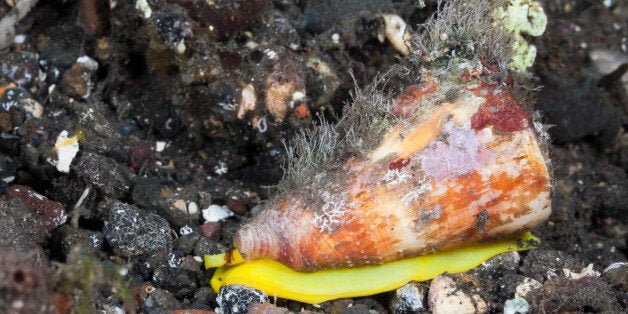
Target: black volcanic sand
{"points": [[161, 139]]}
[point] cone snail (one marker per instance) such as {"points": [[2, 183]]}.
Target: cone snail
{"points": [[455, 163], [465, 171]]}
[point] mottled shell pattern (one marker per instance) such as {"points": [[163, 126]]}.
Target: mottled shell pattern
{"points": [[455, 171]]}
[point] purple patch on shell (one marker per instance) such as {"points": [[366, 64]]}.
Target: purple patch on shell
{"points": [[461, 152]]}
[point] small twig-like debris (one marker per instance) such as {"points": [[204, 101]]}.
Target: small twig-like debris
{"points": [[7, 24]]}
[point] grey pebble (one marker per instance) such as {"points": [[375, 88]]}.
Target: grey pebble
{"points": [[178, 281], [160, 301], [18, 227], [186, 243], [146, 192], [66, 237], [132, 233], [235, 299], [104, 173]]}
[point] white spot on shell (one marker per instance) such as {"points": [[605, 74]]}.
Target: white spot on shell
{"points": [[332, 212]]}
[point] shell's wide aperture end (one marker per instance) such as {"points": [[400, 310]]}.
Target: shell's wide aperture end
{"points": [[278, 280]]}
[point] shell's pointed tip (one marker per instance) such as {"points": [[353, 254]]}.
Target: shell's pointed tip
{"points": [[226, 259]]}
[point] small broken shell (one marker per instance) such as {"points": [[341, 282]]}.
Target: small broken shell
{"points": [[397, 33], [454, 173], [248, 98], [284, 87]]}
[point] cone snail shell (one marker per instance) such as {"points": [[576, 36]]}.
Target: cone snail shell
{"points": [[451, 174]]}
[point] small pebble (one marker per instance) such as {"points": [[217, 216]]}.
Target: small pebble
{"points": [[131, 232], [104, 173], [186, 243], [175, 207], [204, 295], [516, 305], [206, 246], [236, 206], [216, 213], [160, 301], [408, 298], [235, 299], [18, 97], [18, 228], [185, 230], [20, 67], [178, 281], [617, 275], [211, 230], [66, 237], [191, 264], [145, 193], [445, 297], [266, 308], [528, 285], [49, 214], [78, 81]]}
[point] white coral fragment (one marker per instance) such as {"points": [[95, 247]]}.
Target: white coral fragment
{"points": [[248, 98], [144, 7], [215, 213], [66, 148], [523, 17], [585, 272]]}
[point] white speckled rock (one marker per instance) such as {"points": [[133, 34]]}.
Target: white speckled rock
{"points": [[409, 298], [443, 297]]}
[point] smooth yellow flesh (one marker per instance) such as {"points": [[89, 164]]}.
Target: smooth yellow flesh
{"points": [[278, 280], [219, 260]]}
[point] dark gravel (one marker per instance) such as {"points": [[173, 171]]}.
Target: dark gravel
{"points": [[156, 104]]}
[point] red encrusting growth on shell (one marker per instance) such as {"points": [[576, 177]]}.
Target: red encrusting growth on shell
{"points": [[500, 110], [469, 75], [399, 163], [411, 97]]}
